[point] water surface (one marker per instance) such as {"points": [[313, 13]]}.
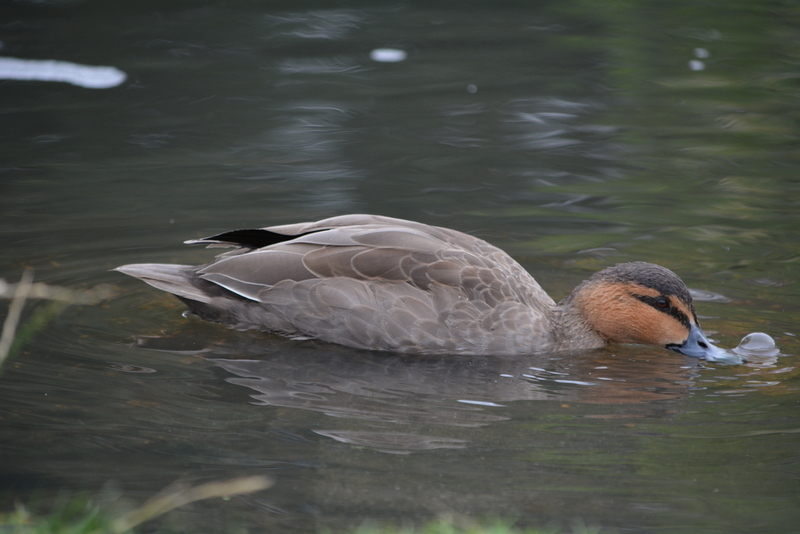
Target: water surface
{"points": [[572, 134]]}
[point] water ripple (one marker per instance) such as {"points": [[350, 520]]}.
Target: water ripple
{"points": [[331, 24], [392, 442]]}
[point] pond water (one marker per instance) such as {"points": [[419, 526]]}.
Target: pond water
{"points": [[573, 134]]}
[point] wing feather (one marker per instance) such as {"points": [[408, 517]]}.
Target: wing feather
{"points": [[264, 267]]}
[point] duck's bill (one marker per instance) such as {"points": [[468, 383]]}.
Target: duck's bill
{"points": [[697, 345]]}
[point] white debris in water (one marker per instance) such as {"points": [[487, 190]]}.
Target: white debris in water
{"points": [[696, 64], [50, 70], [388, 55], [480, 403], [575, 382]]}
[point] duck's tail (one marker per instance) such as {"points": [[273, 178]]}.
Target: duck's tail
{"points": [[180, 280]]}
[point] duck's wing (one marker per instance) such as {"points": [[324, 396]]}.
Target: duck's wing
{"points": [[253, 238], [372, 249]]}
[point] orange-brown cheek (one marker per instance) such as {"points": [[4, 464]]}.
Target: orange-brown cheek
{"points": [[643, 324], [621, 318]]}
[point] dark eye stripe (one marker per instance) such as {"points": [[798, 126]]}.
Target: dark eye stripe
{"points": [[672, 311]]}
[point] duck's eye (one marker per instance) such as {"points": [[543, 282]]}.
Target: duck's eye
{"points": [[662, 303]]}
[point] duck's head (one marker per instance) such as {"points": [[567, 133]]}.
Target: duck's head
{"points": [[645, 303]]}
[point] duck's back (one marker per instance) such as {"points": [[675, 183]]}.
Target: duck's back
{"points": [[368, 282]]}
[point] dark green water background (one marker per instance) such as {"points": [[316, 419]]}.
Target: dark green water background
{"points": [[573, 134]]}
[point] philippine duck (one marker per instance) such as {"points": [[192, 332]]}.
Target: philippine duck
{"points": [[374, 282]]}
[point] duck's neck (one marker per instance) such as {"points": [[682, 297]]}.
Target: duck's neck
{"points": [[571, 330]]}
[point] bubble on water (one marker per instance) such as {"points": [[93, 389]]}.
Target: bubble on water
{"points": [[758, 344], [758, 341]]}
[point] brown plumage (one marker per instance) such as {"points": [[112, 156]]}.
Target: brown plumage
{"points": [[375, 282]]}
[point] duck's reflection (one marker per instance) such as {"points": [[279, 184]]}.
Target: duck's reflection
{"points": [[403, 403]]}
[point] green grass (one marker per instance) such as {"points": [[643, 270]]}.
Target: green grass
{"points": [[82, 516], [76, 516]]}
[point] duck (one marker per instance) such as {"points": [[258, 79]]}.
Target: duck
{"points": [[381, 283]]}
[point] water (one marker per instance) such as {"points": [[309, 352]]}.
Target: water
{"points": [[575, 135]]}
